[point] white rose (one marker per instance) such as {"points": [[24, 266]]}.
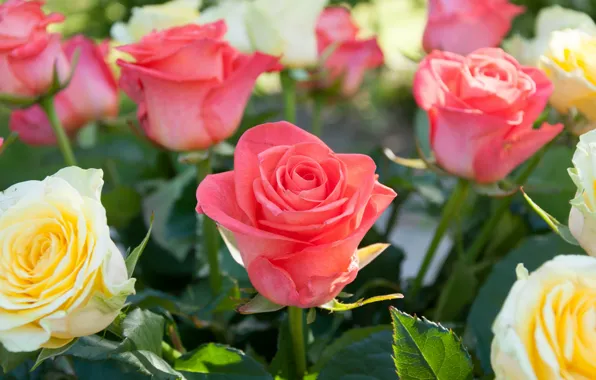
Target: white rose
{"points": [[549, 20], [275, 27], [149, 18], [545, 329], [61, 275], [582, 218]]}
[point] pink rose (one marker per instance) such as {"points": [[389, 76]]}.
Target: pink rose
{"points": [[91, 95], [190, 84], [350, 57], [297, 211], [28, 53], [482, 108], [462, 26]]}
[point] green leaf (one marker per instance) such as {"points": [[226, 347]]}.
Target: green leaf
{"points": [[122, 205], [149, 363], [151, 298], [550, 184], [259, 304], [350, 337], [201, 295], [426, 350], [48, 353], [143, 330], [11, 360], [533, 252], [106, 369], [335, 305], [174, 228], [216, 361], [558, 227], [461, 289], [368, 358], [133, 257], [412, 163]]}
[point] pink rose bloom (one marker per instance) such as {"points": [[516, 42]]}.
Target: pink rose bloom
{"points": [[297, 212], [91, 95], [350, 57], [462, 26], [482, 108], [190, 84], [28, 53]]}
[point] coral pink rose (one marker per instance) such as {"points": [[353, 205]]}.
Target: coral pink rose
{"points": [[91, 95], [482, 108], [462, 26], [297, 212], [190, 84], [29, 54], [350, 57]]}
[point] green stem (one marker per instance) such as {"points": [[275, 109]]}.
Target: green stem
{"points": [[503, 205], [289, 89], [296, 322], [317, 117], [210, 234], [486, 233], [454, 203], [169, 353], [47, 104]]}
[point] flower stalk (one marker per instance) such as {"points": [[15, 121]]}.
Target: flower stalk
{"points": [[47, 104]]}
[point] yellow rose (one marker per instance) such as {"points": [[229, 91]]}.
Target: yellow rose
{"points": [[61, 275], [570, 63], [150, 18], [546, 328], [549, 20], [582, 218], [275, 27]]}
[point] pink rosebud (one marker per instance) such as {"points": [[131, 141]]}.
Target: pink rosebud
{"points": [[190, 84], [91, 95], [462, 26], [482, 108], [350, 57], [29, 55], [297, 212]]}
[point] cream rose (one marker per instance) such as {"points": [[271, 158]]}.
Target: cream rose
{"points": [[549, 20], [582, 218], [149, 18], [61, 276], [545, 329], [570, 63], [283, 28]]}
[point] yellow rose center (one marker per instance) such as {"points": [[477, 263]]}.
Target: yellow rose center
{"points": [[565, 326], [581, 57]]}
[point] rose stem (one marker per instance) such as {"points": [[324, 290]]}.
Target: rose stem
{"points": [[296, 323], [503, 205], [47, 104], [487, 230], [454, 203], [289, 89], [169, 353], [210, 233], [317, 116]]}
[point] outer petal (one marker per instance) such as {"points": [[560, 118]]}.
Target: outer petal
{"points": [[234, 14], [224, 106], [246, 161], [88, 182], [35, 63], [457, 137], [93, 91], [582, 225], [497, 158]]}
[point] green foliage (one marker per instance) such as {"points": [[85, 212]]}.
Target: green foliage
{"points": [[533, 252], [11, 360], [217, 361], [133, 257], [426, 350], [367, 358]]}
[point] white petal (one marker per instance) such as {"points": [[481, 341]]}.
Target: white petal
{"points": [[88, 182]]}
